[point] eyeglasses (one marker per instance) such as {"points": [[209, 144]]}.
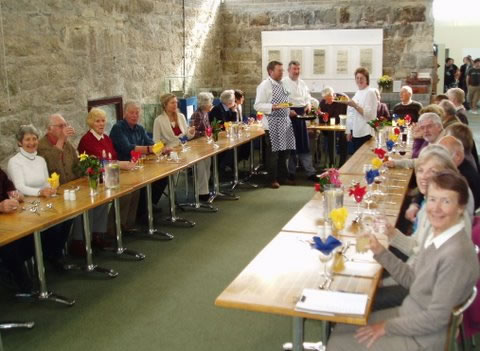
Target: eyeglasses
{"points": [[63, 125]]}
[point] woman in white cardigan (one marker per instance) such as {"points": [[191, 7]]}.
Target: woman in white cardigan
{"points": [[171, 125]]}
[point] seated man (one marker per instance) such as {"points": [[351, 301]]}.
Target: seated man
{"points": [[62, 158], [127, 136], [407, 106], [225, 111], [457, 97], [14, 255]]}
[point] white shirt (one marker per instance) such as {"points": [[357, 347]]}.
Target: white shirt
{"points": [[367, 99], [28, 172], [440, 239], [263, 100], [96, 135], [298, 92]]}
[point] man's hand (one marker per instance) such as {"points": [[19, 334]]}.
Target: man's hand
{"points": [[8, 205], [417, 131], [68, 131], [389, 164], [293, 114], [349, 137], [370, 333], [375, 245], [47, 192]]}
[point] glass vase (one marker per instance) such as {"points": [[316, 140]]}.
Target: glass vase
{"points": [[93, 185]]}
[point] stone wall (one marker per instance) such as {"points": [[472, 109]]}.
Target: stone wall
{"points": [[408, 32], [59, 54]]}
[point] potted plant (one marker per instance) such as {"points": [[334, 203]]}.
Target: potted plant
{"points": [[385, 83]]}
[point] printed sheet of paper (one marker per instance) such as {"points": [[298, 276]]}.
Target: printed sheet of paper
{"points": [[274, 55], [342, 61], [366, 56], [319, 61], [297, 55]]}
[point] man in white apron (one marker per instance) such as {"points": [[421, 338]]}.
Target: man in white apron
{"points": [[272, 100]]}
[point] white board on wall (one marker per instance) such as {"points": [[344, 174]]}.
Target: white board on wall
{"points": [[327, 57]]}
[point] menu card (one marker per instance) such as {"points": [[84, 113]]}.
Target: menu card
{"points": [[331, 302]]}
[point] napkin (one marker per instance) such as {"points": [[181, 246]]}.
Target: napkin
{"points": [[380, 153], [158, 147], [135, 155], [358, 192], [390, 144], [54, 180], [376, 163], [327, 246], [371, 174], [339, 216]]}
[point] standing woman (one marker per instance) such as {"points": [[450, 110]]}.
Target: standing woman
{"points": [[171, 125], [362, 108], [201, 123]]}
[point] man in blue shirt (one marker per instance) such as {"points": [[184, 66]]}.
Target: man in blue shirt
{"points": [[127, 136]]}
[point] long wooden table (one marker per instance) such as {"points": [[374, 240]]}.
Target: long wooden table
{"points": [[54, 210], [274, 280]]}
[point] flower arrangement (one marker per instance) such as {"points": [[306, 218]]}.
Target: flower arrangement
{"points": [[385, 82], [379, 123], [90, 166], [330, 176], [217, 128]]}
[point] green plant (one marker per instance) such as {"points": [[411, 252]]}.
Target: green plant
{"points": [[90, 166]]}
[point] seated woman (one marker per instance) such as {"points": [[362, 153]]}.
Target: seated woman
{"points": [[95, 142], [382, 108], [14, 255], [334, 109], [446, 256], [433, 159], [201, 123], [29, 174], [171, 125]]}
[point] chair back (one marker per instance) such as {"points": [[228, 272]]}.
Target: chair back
{"points": [[456, 320]]}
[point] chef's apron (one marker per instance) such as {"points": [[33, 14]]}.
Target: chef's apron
{"points": [[279, 124]]}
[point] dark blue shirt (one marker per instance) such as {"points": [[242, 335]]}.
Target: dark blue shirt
{"points": [[125, 138]]}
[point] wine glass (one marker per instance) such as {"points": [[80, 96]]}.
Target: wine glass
{"points": [[208, 134], [326, 261], [183, 141], [259, 117]]}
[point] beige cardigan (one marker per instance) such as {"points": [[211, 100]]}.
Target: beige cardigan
{"points": [[162, 130]]}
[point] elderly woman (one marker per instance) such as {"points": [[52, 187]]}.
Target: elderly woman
{"points": [[171, 125], [449, 115], [382, 108], [446, 255], [201, 123], [29, 174], [433, 159], [334, 109], [225, 111], [362, 108], [95, 142]]}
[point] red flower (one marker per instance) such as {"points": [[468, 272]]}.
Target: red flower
{"points": [[380, 153], [377, 124], [90, 171]]}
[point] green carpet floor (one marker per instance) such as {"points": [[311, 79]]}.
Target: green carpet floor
{"points": [[166, 302]]}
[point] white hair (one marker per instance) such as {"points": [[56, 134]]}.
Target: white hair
{"points": [[227, 97]]}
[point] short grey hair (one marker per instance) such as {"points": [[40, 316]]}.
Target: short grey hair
{"points": [[327, 91], [26, 129], [128, 105], [227, 96], [448, 107], [438, 152], [407, 88], [456, 94], [204, 99], [431, 116]]}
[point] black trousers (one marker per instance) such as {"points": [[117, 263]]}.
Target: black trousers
{"points": [[358, 142], [276, 161]]}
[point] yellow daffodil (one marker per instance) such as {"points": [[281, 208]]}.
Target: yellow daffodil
{"points": [[376, 163], [339, 217], [158, 147], [83, 156], [54, 180]]}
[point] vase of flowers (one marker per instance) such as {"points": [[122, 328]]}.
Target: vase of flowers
{"points": [[385, 83], [91, 167], [216, 129], [331, 176]]}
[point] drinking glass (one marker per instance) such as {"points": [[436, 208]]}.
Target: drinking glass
{"points": [[327, 264], [184, 140]]}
